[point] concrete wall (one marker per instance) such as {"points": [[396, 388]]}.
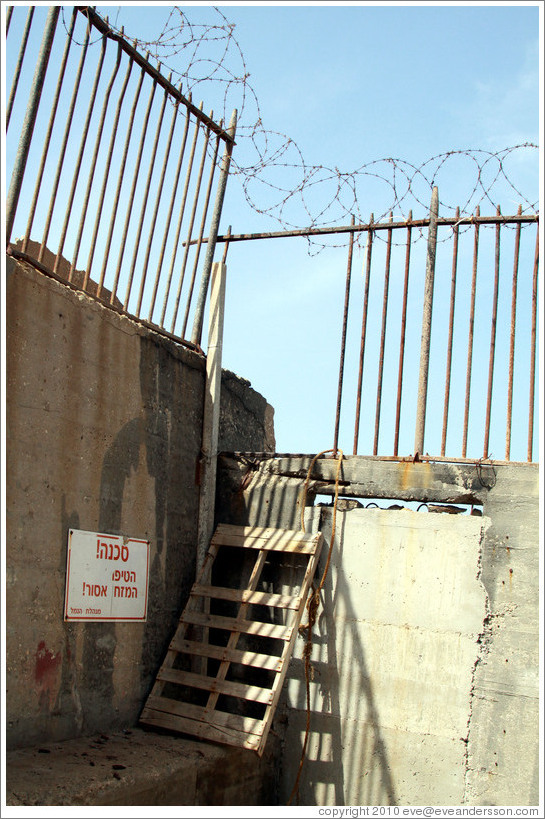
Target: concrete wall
{"points": [[103, 434], [424, 687]]}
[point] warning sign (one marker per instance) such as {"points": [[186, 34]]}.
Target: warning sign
{"points": [[106, 577]]}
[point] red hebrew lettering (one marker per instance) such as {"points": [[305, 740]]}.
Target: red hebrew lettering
{"points": [[124, 553], [102, 550], [133, 577], [134, 591], [103, 591], [118, 550], [116, 575]]}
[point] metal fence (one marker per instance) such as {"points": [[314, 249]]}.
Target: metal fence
{"points": [[447, 345], [112, 168]]}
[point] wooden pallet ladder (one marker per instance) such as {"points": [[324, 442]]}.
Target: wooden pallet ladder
{"points": [[223, 673]]}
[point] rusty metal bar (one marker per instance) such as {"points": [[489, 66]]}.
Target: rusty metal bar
{"points": [[226, 246], [533, 352], [492, 338], [512, 343], [155, 74], [364, 228], [343, 342], [19, 64], [157, 202], [79, 158], [116, 198], [470, 334], [190, 228], [133, 188], [214, 226], [9, 12], [402, 334], [92, 170], [363, 335], [35, 94], [47, 139], [450, 332], [169, 217], [383, 337], [201, 233], [426, 326], [145, 201], [181, 216], [108, 163]]}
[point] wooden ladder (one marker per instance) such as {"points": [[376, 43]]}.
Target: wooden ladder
{"points": [[223, 672]]}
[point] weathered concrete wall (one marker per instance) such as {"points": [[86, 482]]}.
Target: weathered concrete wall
{"points": [[103, 434], [425, 654]]}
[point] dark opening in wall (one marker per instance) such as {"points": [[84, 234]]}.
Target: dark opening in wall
{"points": [[346, 503]]}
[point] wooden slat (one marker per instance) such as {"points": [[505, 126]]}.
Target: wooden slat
{"points": [[173, 722], [281, 541], [233, 655], [277, 632], [231, 689], [266, 532], [256, 598], [236, 722]]}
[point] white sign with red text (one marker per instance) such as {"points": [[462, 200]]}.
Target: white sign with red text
{"points": [[106, 577]]}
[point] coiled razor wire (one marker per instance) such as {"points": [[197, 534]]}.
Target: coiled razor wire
{"points": [[211, 53]]}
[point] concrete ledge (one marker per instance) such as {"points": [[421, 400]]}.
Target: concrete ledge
{"points": [[138, 767]]}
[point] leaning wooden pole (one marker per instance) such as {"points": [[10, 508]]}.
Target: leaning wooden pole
{"points": [[211, 416]]}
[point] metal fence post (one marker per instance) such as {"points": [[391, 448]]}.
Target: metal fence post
{"points": [[213, 233], [426, 326], [30, 118]]}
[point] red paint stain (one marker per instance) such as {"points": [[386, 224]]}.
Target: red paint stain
{"points": [[45, 674]]}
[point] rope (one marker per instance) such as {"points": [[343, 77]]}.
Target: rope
{"points": [[313, 602]]}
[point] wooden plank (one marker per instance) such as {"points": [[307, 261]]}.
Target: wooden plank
{"points": [[255, 537], [203, 730], [224, 653], [281, 601], [236, 722], [266, 532], [237, 625], [212, 684]]}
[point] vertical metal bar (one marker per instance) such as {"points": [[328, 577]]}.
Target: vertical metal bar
{"points": [[9, 12], [450, 332], [143, 211], [169, 216], [402, 335], [363, 331], [214, 225], [85, 132], [118, 194], [343, 339], [181, 216], [533, 351], [201, 234], [157, 201], [470, 333], [190, 228], [92, 169], [134, 182], [35, 93], [47, 140], [107, 166], [20, 58], [512, 341], [383, 335], [426, 326], [492, 335]]}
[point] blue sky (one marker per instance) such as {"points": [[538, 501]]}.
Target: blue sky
{"points": [[351, 85]]}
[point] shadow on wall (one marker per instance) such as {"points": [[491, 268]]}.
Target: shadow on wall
{"points": [[343, 764]]}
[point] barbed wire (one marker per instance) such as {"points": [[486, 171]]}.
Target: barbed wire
{"points": [[278, 183]]}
